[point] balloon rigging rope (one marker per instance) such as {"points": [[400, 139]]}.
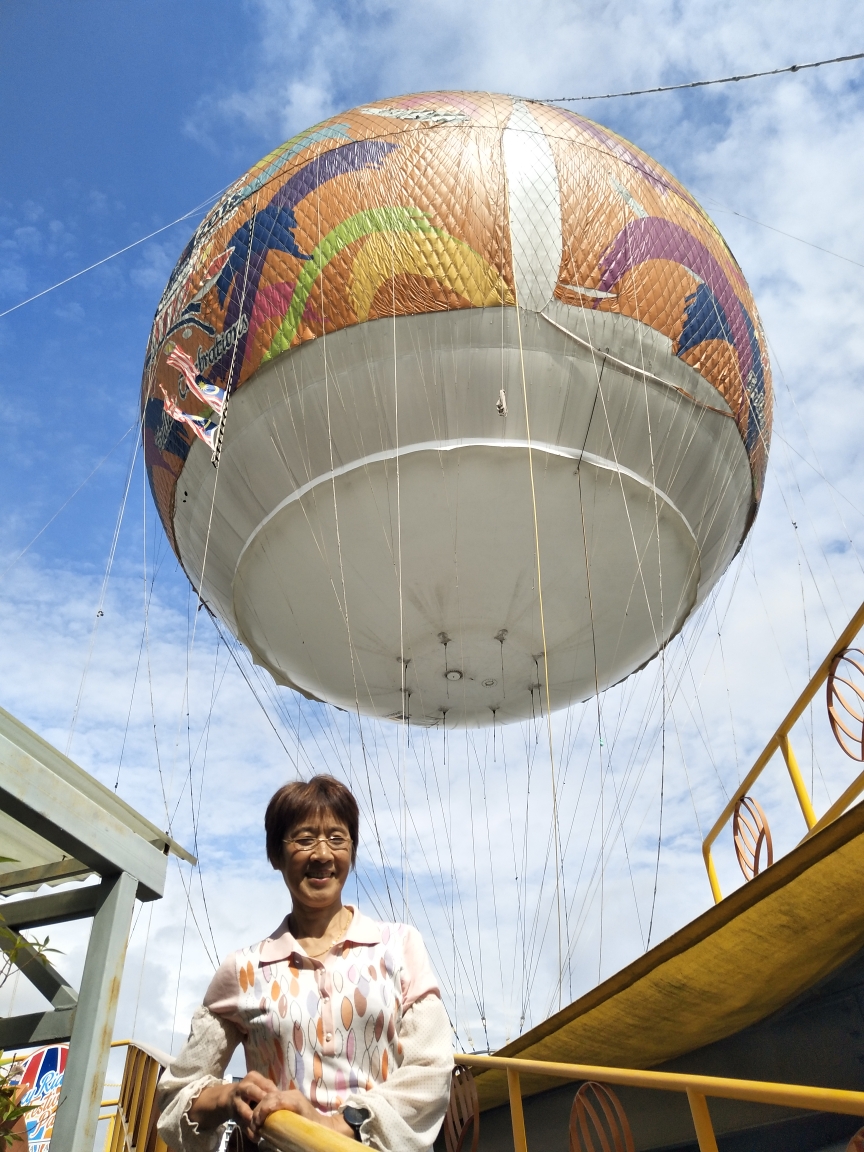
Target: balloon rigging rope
{"points": [[540, 603], [450, 913], [447, 816], [100, 606], [807, 646], [203, 738], [483, 773], [603, 770], [618, 800], [817, 468], [68, 501], [618, 796], [214, 692], [147, 605], [662, 616], [582, 918], [405, 702], [216, 460], [346, 615], [323, 555], [191, 645], [335, 727], [794, 523], [143, 966], [288, 721], [501, 204], [599, 374], [147, 598], [179, 968], [520, 869], [368, 892], [687, 662]]}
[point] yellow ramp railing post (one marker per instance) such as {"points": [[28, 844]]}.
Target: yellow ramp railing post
{"points": [[702, 1121], [517, 1115], [797, 779]]}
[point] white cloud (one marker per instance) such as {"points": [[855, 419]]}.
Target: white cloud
{"points": [[314, 59]]}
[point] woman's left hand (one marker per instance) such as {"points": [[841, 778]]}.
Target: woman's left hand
{"points": [[296, 1102]]}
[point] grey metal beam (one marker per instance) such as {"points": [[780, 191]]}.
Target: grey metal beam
{"points": [[81, 1094], [36, 1028], [39, 971], [14, 734], [45, 802], [55, 908], [29, 877]]}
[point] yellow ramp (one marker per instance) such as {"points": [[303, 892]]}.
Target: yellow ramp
{"points": [[736, 964]]}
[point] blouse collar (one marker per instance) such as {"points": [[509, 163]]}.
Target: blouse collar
{"points": [[281, 944]]}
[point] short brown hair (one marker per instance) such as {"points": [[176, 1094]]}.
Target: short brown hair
{"points": [[297, 801]]}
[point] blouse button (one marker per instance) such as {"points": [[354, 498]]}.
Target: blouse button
{"points": [[328, 1037]]}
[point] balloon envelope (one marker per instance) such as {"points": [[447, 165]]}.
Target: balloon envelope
{"points": [[489, 399]]}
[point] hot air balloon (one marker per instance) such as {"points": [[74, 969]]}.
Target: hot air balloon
{"points": [[455, 407]]}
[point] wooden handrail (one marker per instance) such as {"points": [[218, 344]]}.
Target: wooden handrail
{"points": [[289, 1132]]}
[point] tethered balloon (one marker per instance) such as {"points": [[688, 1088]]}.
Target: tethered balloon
{"points": [[488, 400]]}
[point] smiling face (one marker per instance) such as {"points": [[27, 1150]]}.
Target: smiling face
{"points": [[316, 877]]}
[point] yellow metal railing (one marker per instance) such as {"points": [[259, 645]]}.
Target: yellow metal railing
{"points": [[780, 742], [134, 1111], [697, 1089], [133, 1123]]}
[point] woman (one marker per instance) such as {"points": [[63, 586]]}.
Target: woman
{"points": [[340, 1015]]}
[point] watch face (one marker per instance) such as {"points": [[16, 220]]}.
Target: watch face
{"points": [[354, 1117]]}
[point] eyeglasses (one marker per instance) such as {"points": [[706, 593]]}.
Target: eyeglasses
{"points": [[335, 841]]}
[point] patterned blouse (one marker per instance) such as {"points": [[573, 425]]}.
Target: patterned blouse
{"points": [[362, 1025]]}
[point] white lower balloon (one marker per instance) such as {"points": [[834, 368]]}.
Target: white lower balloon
{"points": [[371, 537]]}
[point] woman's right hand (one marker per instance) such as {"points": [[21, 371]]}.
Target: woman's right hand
{"points": [[236, 1101]]}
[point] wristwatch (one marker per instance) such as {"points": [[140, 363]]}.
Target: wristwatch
{"points": [[354, 1117]]}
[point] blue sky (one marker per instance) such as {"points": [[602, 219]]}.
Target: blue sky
{"points": [[128, 116]]}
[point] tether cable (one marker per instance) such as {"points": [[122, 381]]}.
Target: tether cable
{"points": [[701, 83]]}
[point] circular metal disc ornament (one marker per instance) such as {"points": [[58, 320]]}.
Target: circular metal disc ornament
{"points": [[598, 1122], [845, 692], [751, 834]]}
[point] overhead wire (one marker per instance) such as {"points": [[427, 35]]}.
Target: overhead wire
{"points": [[105, 259], [705, 83]]}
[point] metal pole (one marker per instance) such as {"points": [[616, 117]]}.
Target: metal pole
{"points": [[81, 1094], [702, 1121], [517, 1116], [797, 780]]}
